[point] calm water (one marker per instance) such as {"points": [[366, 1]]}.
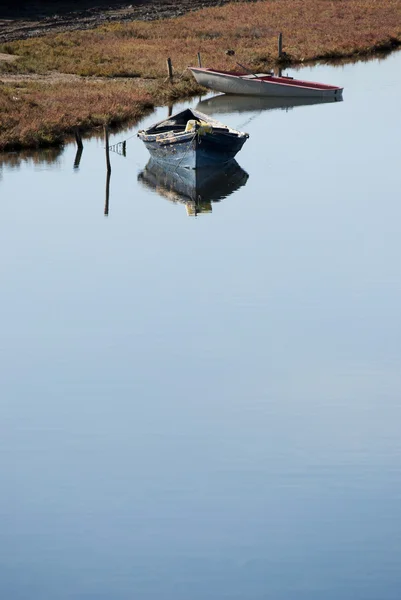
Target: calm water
{"points": [[208, 407]]}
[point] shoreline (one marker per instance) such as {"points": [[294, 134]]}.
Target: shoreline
{"points": [[25, 24], [52, 84]]}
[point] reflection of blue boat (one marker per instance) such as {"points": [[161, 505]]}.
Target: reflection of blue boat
{"points": [[191, 139], [196, 188], [227, 103]]}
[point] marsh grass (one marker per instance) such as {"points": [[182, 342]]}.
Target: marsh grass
{"points": [[312, 29], [36, 114]]}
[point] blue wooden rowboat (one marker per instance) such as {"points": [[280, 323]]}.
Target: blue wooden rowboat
{"points": [[191, 139]]}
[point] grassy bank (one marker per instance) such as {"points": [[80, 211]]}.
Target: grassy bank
{"points": [[130, 59], [40, 113]]}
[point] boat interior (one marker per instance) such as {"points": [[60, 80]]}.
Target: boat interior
{"points": [[188, 121], [175, 123]]}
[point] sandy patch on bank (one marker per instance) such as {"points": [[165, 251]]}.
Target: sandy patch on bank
{"points": [[8, 57], [53, 78]]}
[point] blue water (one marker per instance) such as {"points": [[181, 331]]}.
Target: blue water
{"points": [[210, 406]]}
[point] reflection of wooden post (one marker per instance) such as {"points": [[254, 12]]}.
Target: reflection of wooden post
{"points": [[106, 141], [170, 110], [80, 147], [106, 204], [199, 60], [77, 159], [169, 69], [280, 44]]}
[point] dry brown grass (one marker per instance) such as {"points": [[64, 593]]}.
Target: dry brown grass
{"points": [[36, 114], [312, 29]]}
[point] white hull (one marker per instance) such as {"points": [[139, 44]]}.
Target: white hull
{"points": [[263, 85]]}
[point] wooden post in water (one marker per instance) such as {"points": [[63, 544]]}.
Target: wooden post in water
{"points": [[199, 60], [169, 69], [169, 110], [106, 141], [280, 45], [78, 139]]}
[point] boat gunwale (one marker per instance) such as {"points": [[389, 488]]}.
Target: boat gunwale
{"points": [[166, 136], [182, 136]]}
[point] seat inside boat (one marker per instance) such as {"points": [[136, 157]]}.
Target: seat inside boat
{"points": [[255, 75], [176, 123]]}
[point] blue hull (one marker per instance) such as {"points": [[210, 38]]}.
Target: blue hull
{"points": [[192, 140], [194, 151]]}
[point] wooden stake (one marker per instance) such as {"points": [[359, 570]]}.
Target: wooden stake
{"points": [[199, 60], [169, 69], [280, 44], [106, 141]]}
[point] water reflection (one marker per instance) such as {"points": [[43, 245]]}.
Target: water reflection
{"points": [[196, 188], [78, 156], [80, 148], [224, 103], [107, 198], [208, 411], [44, 156]]}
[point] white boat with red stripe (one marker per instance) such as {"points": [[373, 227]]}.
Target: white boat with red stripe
{"points": [[262, 84]]}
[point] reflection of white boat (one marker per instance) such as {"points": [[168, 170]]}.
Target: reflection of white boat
{"points": [[262, 84], [227, 103], [196, 188]]}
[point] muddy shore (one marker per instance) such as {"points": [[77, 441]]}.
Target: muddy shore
{"points": [[38, 19]]}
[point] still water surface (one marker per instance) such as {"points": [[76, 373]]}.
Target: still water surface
{"points": [[210, 406]]}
